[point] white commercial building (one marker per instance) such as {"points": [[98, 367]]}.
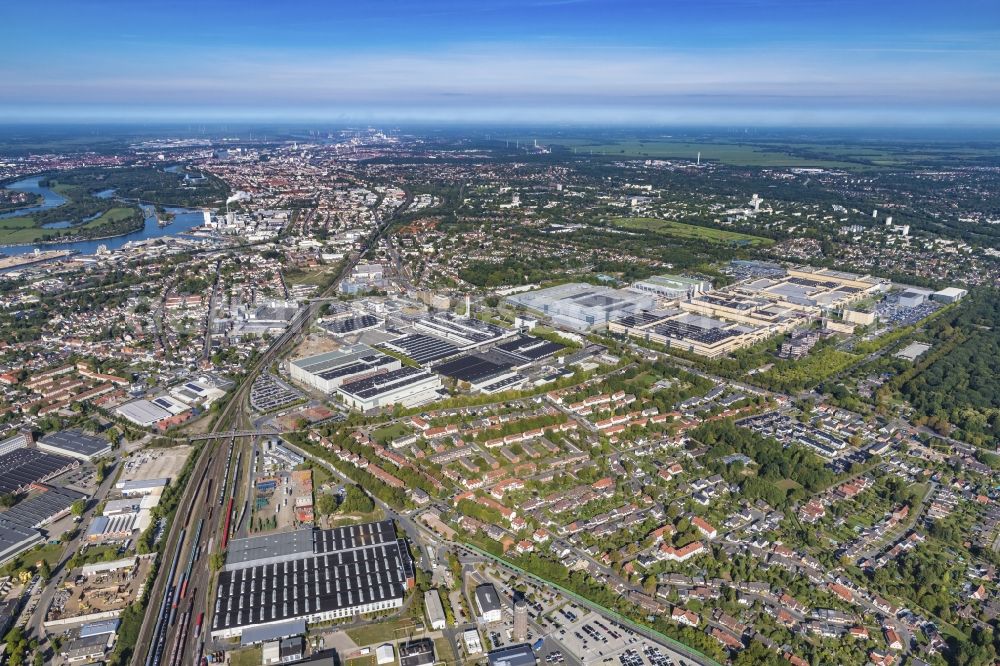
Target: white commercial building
{"points": [[407, 386], [328, 371]]}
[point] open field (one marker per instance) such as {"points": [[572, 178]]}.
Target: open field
{"points": [[381, 632], [681, 230], [775, 152]]}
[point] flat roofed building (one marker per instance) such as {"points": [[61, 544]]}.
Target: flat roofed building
{"points": [[405, 386], [327, 372], [143, 413], [16, 441], [417, 652], [473, 644], [344, 572], [488, 603], [512, 655], [15, 539], [434, 609], [949, 295], [75, 443], [672, 286], [582, 307], [464, 332]]}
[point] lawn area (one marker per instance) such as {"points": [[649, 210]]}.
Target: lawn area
{"points": [[390, 432], [319, 277], [248, 657], [443, 651], [113, 215], [681, 230], [380, 632], [788, 484]]}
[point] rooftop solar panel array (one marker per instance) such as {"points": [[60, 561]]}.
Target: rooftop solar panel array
{"points": [[527, 348], [681, 331], [34, 511], [22, 467], [77, 442], [347, 567], [364, 364], [471, 368], [423, 348], [376, 384], [351, 324]]}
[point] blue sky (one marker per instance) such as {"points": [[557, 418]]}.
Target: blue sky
{"points": [[745, 62]]}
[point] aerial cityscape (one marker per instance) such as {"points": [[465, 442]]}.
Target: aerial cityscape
{"points": [[512, 333]]}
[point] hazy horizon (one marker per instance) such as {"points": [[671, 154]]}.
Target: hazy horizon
{"points": [[710, 63]]}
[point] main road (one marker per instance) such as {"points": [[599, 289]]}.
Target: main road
{"points": [[200, 501]]}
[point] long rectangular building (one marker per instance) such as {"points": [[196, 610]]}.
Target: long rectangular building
{"points": [[315, 575], [327, 372], [407, 386]]}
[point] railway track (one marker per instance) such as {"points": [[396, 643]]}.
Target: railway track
{"points": [[156, 629]]}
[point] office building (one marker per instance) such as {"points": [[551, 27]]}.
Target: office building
{"points": [[488, 603]]}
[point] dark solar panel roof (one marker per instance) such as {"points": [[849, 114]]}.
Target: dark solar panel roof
{"points": [[681, 331], [349, 324], [528, 348], [23, 467], [76, 441], [471, 368], [364, 364], [639, 319], [36, 510], [346, 567], [423, 348], [371, 386]]}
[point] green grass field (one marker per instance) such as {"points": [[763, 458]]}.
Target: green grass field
{"points": [[681, 230], [381, 632], [764, 152], [14, 230]]}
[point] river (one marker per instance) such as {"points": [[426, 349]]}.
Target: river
{"points": [[184, 220], [49, 198]]}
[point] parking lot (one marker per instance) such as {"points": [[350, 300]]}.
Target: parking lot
{"points": [[593, 639], [155, 463]]}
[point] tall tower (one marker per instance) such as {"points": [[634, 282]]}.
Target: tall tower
{"points": [[699, 158], [520, 632], [468, 306]]}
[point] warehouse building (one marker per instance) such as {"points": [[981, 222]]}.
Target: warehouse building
{"points": [[949, 295], [327, 372], [75, 444], [23, 468], [315, 575], [407, 386], [434, 610], [463, 332], [512, 655], [672, 286], [19, 440], [582, 307], [143, 413]]}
